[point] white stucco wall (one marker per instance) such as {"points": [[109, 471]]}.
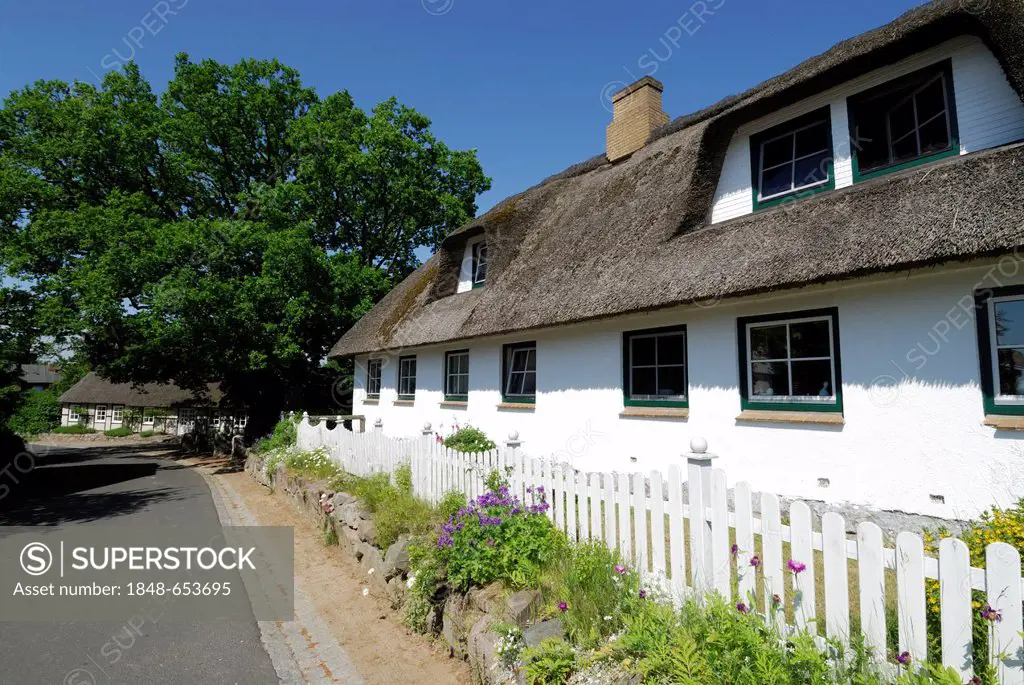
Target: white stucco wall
{"points": [[912, 401], [989, 114]]}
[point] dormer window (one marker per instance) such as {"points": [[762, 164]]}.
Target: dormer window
{"points": [[904, 122], [793, 159], [479, 263]]}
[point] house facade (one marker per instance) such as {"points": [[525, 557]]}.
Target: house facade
{"points": [[822, 277], [97, 403]]}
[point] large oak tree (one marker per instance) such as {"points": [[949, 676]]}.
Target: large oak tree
{"points": [[227, 230]]}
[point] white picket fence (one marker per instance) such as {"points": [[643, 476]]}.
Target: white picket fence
{"points": [[658, 535]]}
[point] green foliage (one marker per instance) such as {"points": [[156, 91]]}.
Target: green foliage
{"points": [[469, 439], [39, 412], [146, 434], [450, 505], [284, 435], [511, 643], [597, 589], [497, 538], [549, 663], [396, 510], [211, 207], [75, 429], [19, 334], [316, 465], [330, 536], [122, 432]]}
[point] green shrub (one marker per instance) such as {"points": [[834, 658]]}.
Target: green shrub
{"points": [[316, 465], [145, 434], [284, 435], [450, 505], [498, 538], [549, 663], [122, 432], [75, 429], [39, 412], [469, 439], [396, 510], [596, 589]]}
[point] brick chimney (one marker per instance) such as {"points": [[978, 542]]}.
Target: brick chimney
{"points": [[636, 111]]}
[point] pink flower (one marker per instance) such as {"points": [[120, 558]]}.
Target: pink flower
{"points": [[620, 569], [990, 614], [797, 567], [563, 607], [643, 594], [735, 549], [755, 561], [776, 601]]}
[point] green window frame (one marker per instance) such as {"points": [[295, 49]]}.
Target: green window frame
{"points": [[748, 367], [905, 90], [407, 377], [794, 132], [373, 373], [479, 263], [990, 347], [456, 376], [519, 372], [667, 335]]}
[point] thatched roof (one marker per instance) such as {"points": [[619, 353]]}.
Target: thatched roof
{"points": [[600, 240], [95, 390]]}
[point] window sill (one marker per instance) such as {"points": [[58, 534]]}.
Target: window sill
{"points": [[404, 403], [1004, 422], [454, 404], [775, 416], [521, 406], [371, 400], [655, 413]]}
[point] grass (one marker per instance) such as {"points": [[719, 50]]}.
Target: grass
{"points": [[147, 434], [76, 429], [122, 432]]}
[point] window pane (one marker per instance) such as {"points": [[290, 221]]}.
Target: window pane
{"points": [[777, 180], [813, 378], [643, 351], [905, 150], [934, 136], [671, 349], [901, 120], [809, 339], [515, 384], [777, 152], [644, 382], [870, 140], [1011, 372], [813, 139], [518, 360], [931, 100], [531, 360], [769, 378], [671, 381], [812, 169], [461, 385], [529, 384], [1010, 322], [768, 342]]}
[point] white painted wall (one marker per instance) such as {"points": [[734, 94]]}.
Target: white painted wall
{"points": [[912, 401], [989, 114]]}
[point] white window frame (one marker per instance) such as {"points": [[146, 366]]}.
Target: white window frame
{"points": [[686, 379], [994, 347], [100, 414], [73, 415], [449, 375], [370, 364], [479, 260], [512, 351], [186, 415], [147, 418], [791, 399], [405, 376], [117, 413], [795, 188]]}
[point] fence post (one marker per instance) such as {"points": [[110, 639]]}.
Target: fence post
{"points": [[378, 424], [699, 489], [512, 459], [422, 465]]}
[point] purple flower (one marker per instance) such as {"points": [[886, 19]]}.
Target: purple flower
{"points": [[755, 561], [903, 658], [563, 607], [742, 608], [797, 567], [540, 489], [990, 614], [735, 549], [529, 489], [620, 569], [776, 601], [643, 594]]}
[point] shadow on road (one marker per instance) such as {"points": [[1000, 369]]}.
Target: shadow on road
{"points": [[79, 485]]}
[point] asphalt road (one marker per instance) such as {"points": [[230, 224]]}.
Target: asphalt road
{"points": [[120, 486]]}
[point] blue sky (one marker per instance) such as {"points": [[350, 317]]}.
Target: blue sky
{"points": [[523, 82]]}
